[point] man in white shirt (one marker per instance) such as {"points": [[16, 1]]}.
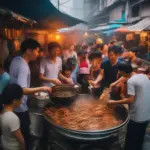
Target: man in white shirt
{"points": [[20, 74], [138, 86], [51, 67]]}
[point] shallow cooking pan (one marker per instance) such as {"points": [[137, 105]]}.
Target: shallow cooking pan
{"points": [[63, 94]]}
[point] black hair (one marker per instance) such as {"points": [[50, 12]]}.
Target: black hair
{"points": [[101, 46], [66, 67], [81, 52], [90, 43], [77, 47], [113, 42], [84, 47], [29, 44], [125, 67], [10, 93], [115, 49], [94, 55], [1, 65], [134, 50], [71, 61], [53, 45]]}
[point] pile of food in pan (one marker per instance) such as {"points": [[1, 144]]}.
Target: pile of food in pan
{"points": [[85, 114]]}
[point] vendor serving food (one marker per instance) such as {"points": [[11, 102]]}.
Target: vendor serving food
{"points": [[20, 74], [138, 86], [109, 70], [51, 67]]}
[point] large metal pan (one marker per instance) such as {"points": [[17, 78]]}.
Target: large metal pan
{"points": [[59, 96], [90, 135]]}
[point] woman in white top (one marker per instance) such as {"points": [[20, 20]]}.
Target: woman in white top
{"points": [[12, 138], [72, 52]]}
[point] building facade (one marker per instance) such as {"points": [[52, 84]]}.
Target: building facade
{"points": [[110, 11], [106, 11], [138, 9], [82, 9]]}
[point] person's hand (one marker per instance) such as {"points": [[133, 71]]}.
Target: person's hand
{"points": [[111, 104], [69, 81], [46, 89], [56, 81], [122, 96], [111, 86], [94, 83]]}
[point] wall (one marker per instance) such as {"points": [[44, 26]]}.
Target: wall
{"points": [[145, 9], [116, 13], [110, 2], [91, 8]]}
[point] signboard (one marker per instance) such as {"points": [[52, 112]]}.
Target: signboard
{"points": [[110, 2]]}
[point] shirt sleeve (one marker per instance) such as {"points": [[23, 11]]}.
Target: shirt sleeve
{"points": [[130, 89], [42, 66], [14, 123], [22, 79]]}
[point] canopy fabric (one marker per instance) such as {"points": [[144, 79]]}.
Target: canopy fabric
{"points": [[148, 28], [78, 27], [109, 32], [39, 10], [140, 26], [106, 27], [6, 12], [122, 29]]}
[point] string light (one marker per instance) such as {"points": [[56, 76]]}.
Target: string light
{"points": [[57, 37]]}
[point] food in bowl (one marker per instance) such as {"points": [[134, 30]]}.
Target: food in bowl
{"points": [[63, 94]]}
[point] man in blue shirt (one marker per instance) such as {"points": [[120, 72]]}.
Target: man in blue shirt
{"points": [[109, 69]]}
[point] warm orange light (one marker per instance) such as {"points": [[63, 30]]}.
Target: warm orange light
{"points": [[57, 37], [85, 34], [51, 35]]}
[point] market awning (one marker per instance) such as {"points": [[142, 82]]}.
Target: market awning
{"points": [[140, 26], [147, 29], [78, 27], [40, 10], [107, 27], [10, 14]]}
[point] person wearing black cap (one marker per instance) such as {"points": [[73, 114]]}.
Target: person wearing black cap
{"points": [[138, 86]]}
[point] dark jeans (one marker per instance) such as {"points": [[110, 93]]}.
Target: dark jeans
{"points": [[135, 135], [25, 127]]}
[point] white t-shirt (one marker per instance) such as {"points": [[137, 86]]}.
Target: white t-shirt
{"points": [[139, 85], [50, 69], [9, 123], [20, 74]]}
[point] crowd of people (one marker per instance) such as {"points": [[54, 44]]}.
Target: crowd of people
{"points": [[94, 64]]}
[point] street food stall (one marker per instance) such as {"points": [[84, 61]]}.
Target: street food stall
{"points": [[70, 118]]}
